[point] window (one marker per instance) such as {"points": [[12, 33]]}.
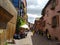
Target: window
{"points": [[47, 13], [55, 21], [53, 4], [58, 11], [22, 5]]}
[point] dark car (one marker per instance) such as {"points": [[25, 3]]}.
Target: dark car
{"points": [[16, 36]]}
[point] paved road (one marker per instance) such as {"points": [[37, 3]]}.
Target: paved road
{"points": [[34, 40], [40, 40]]}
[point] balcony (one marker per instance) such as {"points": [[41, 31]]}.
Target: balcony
{"points": [[4, 15], [7, 13], [7, 5]]}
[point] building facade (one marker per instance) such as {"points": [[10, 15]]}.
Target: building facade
{"points": [[25, 11], [36, 26], [8, 17], [51, 13], [42, 24], [30, 25], [21, 6]]}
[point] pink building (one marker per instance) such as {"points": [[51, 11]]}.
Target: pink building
{"points": [[51, 13]]}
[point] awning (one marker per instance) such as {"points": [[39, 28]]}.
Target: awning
{"points": [[25, 26]]}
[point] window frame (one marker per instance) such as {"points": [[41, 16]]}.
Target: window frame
{"points": [[55, 21]]}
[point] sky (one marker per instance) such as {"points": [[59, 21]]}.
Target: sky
{"points": [[34, 8]]}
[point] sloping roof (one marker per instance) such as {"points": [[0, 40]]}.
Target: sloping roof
{"points": [[45, 7]]}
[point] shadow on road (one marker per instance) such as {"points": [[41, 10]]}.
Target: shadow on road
{"points": [[40, 40]]}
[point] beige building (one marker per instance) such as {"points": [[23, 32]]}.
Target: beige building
{"points": [[8, 16]]}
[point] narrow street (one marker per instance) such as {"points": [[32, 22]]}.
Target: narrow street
{"points": [[30, 22], [34, 40]]}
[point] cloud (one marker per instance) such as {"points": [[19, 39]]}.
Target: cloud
{"points": [[34, 11], [32, 17], [42, 3], [31, 2], [34, 8], [31, 20]]}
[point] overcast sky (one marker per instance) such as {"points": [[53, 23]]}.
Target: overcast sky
{"points": [[34, 8]]}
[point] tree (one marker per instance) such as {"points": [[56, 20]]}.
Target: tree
{"points": [[20, 22]]}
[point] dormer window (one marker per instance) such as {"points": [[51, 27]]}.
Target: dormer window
{"points": [[53, 4]]}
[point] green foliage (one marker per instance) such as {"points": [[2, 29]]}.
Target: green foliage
{"points": [[20, 22], [6, 43]]}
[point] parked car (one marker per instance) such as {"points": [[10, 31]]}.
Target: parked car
{"points": [[16, 36]]}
